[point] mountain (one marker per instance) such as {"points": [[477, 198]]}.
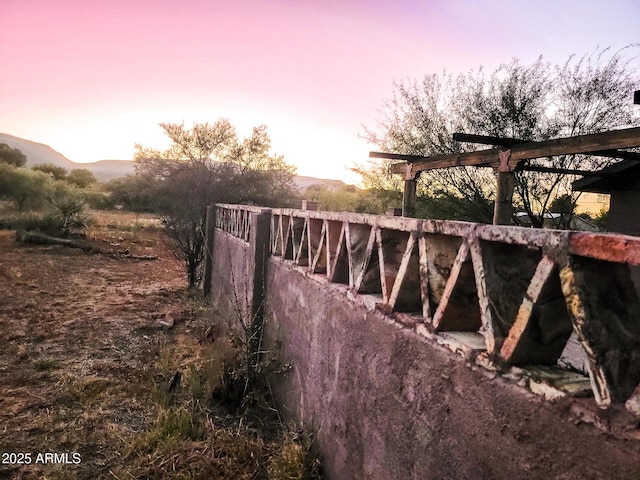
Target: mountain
{"points": [[105, 170], [38, 153], [304, 182]]}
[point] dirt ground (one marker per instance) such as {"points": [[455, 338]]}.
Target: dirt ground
{"points": [[79, 347], [108, 368], [86, 365]]}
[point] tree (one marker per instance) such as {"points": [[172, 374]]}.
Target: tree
{"points": [[346, 198], [210, 164], [27, 188], [58, 173], [12, 156], [81, 177], [136, 193], [529, 102]]}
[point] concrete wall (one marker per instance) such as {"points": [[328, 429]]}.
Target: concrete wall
{"points": [[624, 213], [386, 403], [231, 288], [235, 266]]}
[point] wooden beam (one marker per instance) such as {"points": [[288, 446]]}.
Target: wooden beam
{"points": [[590, 144], [509, 142], [479, 158], [409, 198], [585, 144], [503, 208], [397, 156], [584, 173]]}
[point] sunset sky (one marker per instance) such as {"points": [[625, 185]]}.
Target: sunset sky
{"points": [[92, 78]]}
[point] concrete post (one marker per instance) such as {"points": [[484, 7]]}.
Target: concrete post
{"points": [[208, 250], [259, 243]]}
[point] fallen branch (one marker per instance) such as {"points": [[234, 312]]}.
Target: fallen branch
{"points": [[37, 238]]}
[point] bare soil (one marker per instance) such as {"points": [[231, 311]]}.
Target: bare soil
{"points": [[79, 347]]}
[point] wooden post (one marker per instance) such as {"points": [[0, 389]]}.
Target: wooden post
{"points": [[503, 208], [409, 198]]}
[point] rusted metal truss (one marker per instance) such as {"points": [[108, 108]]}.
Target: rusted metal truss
{"points": [[522, 291]]}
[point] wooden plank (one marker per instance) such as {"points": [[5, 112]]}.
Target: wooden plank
{"points": [[569, 171], [509, 142], [482, 157], [397, 156]]}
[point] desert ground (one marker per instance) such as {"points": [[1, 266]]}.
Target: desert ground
{"points": [[89, 349]]}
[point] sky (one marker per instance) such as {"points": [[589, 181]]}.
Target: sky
{"points": [[93, 78]]}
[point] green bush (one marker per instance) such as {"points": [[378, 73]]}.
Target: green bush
{"points": [[45, 223]]}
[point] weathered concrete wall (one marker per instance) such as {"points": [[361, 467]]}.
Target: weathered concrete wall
{"points": [[235, 266], [231, 286], [386, 403]]}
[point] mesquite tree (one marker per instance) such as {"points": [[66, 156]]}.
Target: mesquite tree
{"points": [[538, 101], [209, 164]]}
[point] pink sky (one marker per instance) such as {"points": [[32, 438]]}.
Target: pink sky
{"points": [[91, 79]]}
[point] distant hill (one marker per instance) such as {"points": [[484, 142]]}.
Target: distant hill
{"points": [[38, 153], [105, 170], [304, 182]]}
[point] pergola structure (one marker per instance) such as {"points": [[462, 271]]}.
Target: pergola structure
{"points": [[509, 157]]}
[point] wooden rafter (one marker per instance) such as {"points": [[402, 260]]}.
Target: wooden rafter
{"points": [[581, 144], [509, 142]]}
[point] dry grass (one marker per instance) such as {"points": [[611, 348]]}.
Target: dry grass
{"points": [[85, 367]]}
